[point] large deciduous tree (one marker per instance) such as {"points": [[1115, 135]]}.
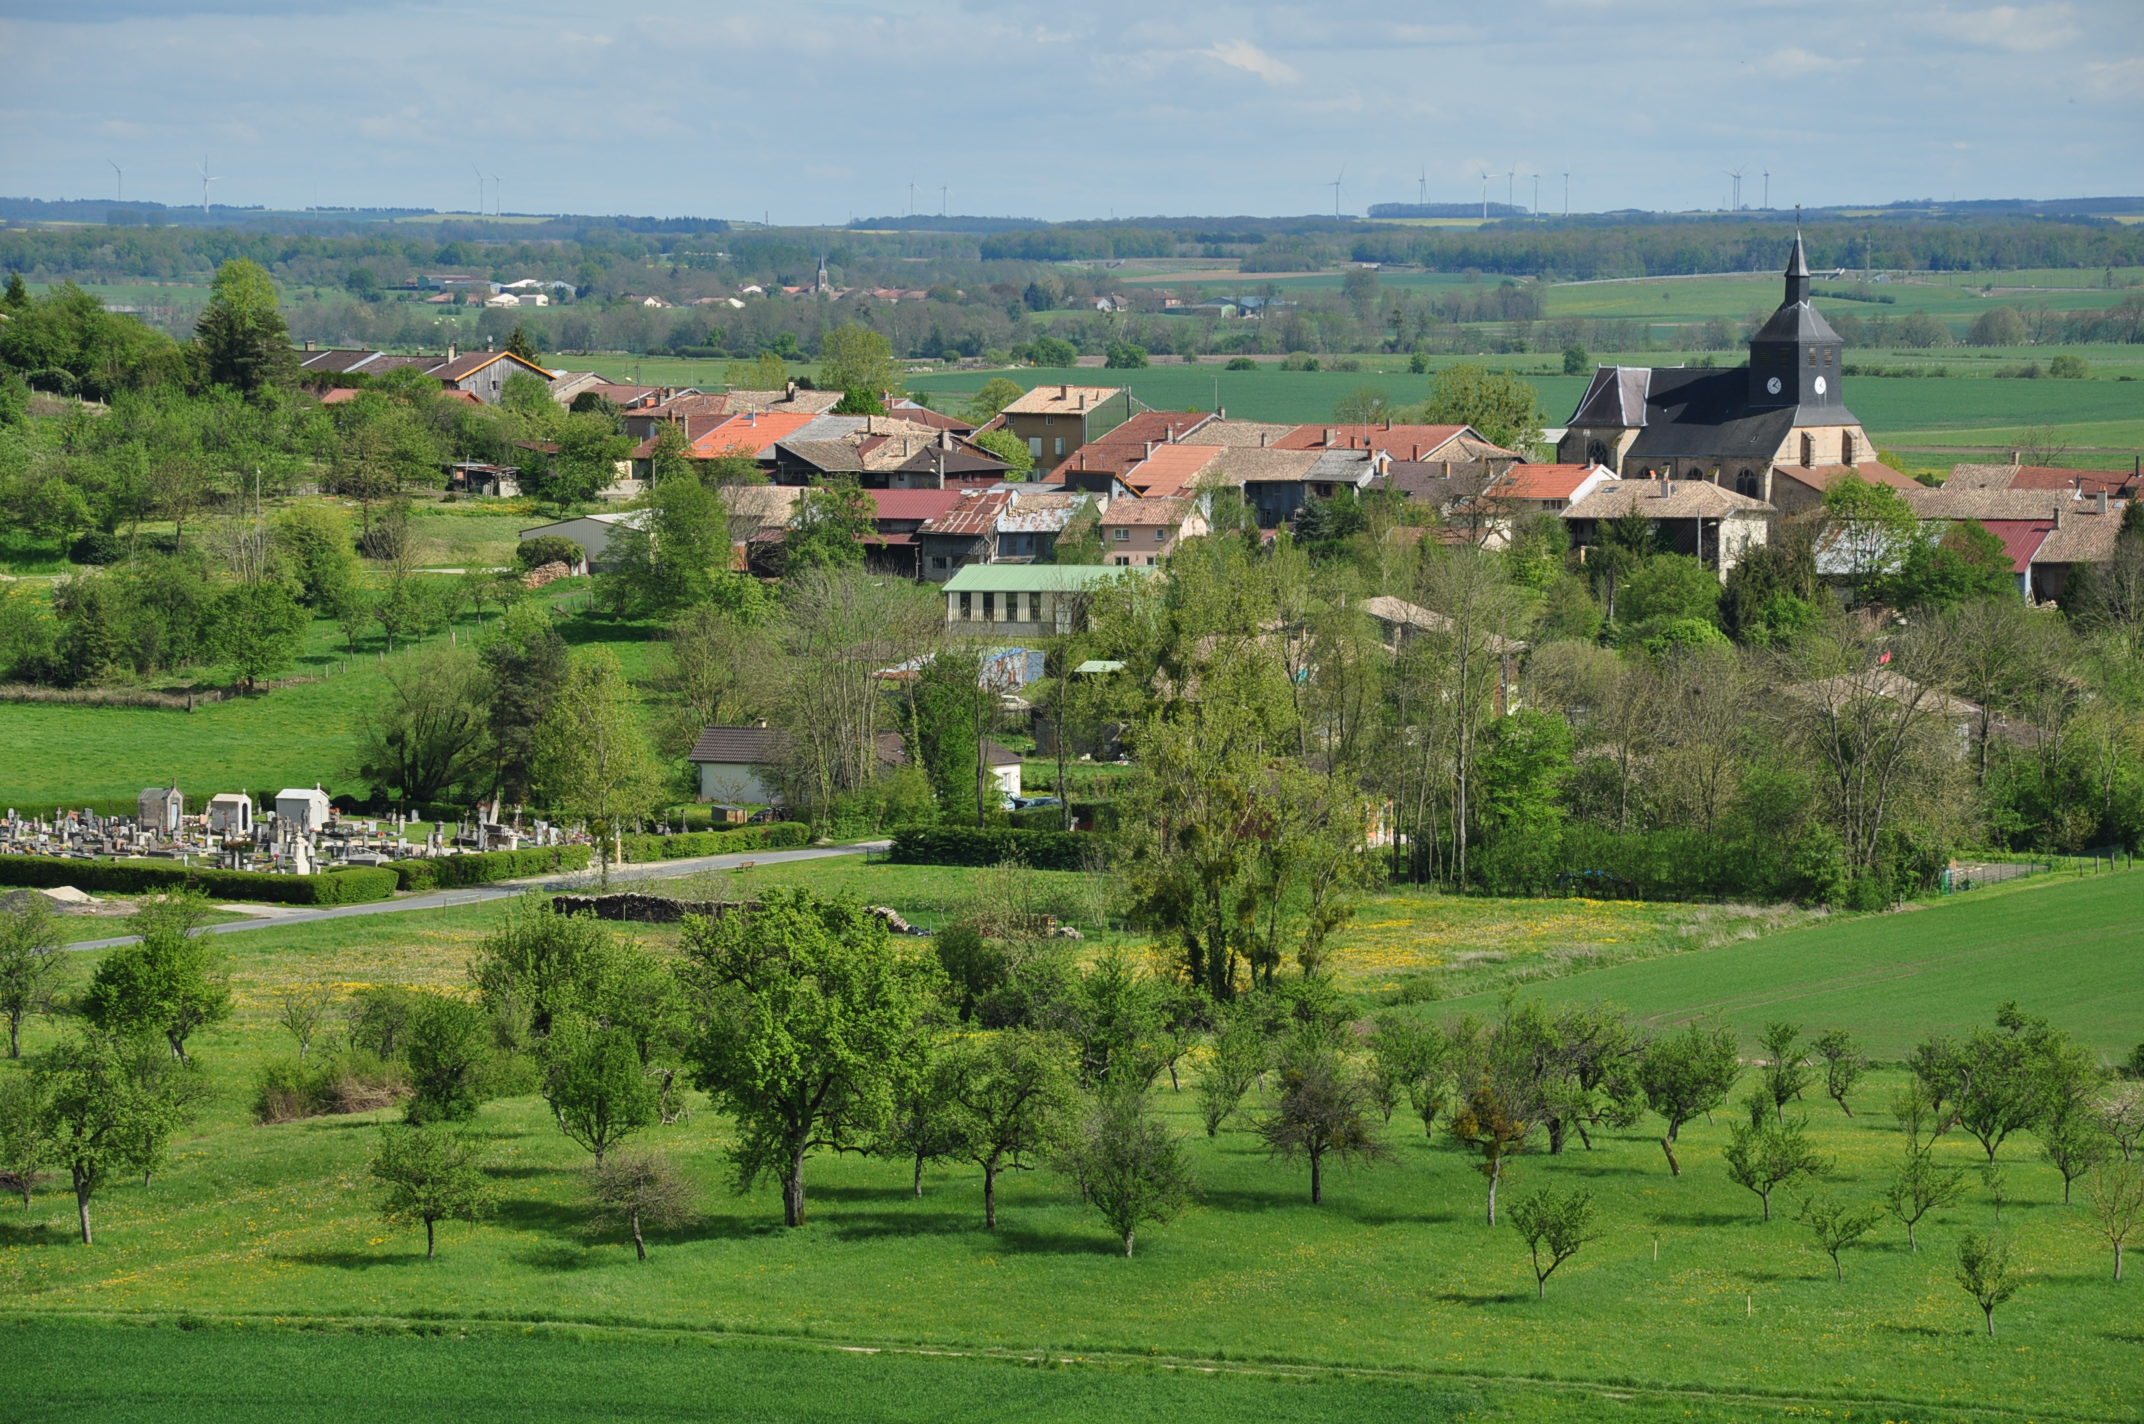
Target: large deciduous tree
{"points": [[171, 981], [429, 732], [242, 339], [110, 1104], [592, 756], [808, 1008]]}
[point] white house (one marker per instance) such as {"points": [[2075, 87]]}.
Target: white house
{"points": [[297, 809], [591, 531]]}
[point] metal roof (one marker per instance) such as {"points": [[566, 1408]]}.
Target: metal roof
{"points": [[1037, 578]]}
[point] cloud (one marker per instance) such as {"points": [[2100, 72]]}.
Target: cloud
{"points": [[1794, 62], [1243, 55], [2019, 29], [2115, 79]]}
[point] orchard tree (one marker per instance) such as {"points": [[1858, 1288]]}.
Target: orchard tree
{"points": [[1558, 1223], [640, 1189], [449, 1053], [1009, 1093], [1236, 1059], [598, 1090], [1836, 1225], [1324, 1111], [430, 1175], [1986, 1272], [1495, 1125], [172, 981], [110, 1105], [25, 1148], [1843, 1065], [1786, 1070], [1129, 1167], [2115, 1194], [30, 940], [808, 1008], [1919, 1188], [1686, 1075], [1765, 1155]]}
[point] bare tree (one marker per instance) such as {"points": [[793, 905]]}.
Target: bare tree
{"points": [[301, 1009], [640, 1190], [2116, 1196]]}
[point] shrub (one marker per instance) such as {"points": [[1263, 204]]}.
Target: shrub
{"points": [[965, 845], [1299, 361], [487, 866], [775, 835], [97, 547], [133, 877], [353, 1081], [548, 549], [1241, 363], [2068, 368]]}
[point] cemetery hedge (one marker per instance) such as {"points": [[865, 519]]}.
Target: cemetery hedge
{"points": [[135, 877], [775, 835], [445, 872], [966, 845]]}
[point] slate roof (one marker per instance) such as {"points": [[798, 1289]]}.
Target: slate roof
{"points": [[1615, 398], [1682, 499]]}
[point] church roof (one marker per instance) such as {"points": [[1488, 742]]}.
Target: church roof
{"points": [[1704, 414], [1616, 397], [1797, 322]]}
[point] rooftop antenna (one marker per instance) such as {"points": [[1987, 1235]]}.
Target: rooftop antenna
{"points": [[495, 196], [205, 181], [1335, 186], [120, 195]]}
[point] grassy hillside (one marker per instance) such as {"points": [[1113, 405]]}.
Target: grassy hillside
{"points": [[2072, 950]]}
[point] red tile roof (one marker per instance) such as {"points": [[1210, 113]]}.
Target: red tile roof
{"points": [[2119, 484], [751, 434], [1170, 468], [1540, 482]]}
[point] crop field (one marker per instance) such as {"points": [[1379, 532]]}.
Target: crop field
{"points": [[1394, 1296]]}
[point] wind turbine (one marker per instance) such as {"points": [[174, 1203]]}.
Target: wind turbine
{"points": [[1767, 190], [1421, 199], [1537, 195], [1567, 195], [120, 195], [205, 181], [1484, 197], [495, 196], [1335, 186], [1735, 205], [479, 188], [1511, 188]]}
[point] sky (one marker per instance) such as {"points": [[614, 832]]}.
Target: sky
{"points": [[820, 111]]}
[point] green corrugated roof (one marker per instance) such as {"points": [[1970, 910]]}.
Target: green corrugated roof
{"points": [[1036, 578]]}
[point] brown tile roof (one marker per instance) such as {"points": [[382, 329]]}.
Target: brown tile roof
{"points": [[1945, 503], [1058, 399], [2083, 537], [1161, 511], [744, 746], [1255, 434], [1248, 463], [1413, 442], [1665, 499], [2118, 484], [1823, 477]]}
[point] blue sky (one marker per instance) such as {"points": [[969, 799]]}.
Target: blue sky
{"points": [[820, 110]]}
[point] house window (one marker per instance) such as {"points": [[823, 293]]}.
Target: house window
{"points": [[967, 607], [1123, 562], [990, 608], [1034, 446], [1161, 536], [1034, 608], [1124, 536], [1060, 444], [1049, 420]]}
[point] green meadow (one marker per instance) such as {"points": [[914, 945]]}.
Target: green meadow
{"points": [[1393, 1299]]}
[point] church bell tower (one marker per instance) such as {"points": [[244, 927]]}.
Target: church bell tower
{"points": [[1797, 359]]}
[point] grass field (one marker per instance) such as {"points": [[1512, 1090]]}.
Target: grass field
{"points": [[1395, 1277]]}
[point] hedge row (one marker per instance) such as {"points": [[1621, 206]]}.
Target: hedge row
{"points": [[447, 871], [965, 845], [134, 877], [774, 835]]}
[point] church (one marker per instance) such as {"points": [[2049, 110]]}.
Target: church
{"points": [[1775, 430]]}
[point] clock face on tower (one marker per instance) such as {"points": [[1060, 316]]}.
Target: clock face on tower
{"points": [[1772, 385], [1820, 385]]}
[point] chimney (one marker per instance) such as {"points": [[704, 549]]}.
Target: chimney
{"points": [[1149, 449], [1064, 393], [2014, 457], [2058, 516], [2099, 502], [1332, 438], [450, 353], [308, 344]]}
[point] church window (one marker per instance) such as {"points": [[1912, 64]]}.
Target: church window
{"points": [[1596, 452], [1746, 483], [1846, 449], [1812, 355], [1808, 450]]}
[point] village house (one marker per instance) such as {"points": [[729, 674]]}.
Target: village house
{"points": [[1055, 420], [1695, 517], [1025, 600]]}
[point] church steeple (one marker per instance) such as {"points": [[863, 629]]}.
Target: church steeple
{"points": [[1797, 272]]}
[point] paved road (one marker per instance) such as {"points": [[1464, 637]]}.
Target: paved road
{"points": [[269, 916]]}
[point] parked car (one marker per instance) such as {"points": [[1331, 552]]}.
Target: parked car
{"points": [[1028, 803], [763, 815]]}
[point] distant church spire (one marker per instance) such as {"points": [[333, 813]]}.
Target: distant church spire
{"points": [[1797, 266]]}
